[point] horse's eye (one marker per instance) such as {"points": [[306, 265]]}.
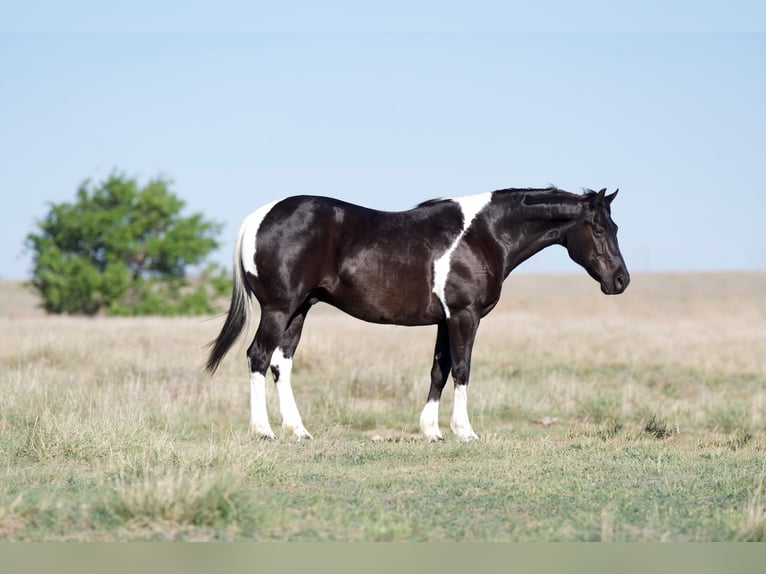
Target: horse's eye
{"points": [[598, 231]]}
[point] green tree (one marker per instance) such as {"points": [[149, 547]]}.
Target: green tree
{"points": [[124, 249]]}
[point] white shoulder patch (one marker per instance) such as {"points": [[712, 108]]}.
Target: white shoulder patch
{"points": [[471, 206], [248, 232]]}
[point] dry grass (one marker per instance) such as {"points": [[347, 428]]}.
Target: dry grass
{"points": [[638, 417]]}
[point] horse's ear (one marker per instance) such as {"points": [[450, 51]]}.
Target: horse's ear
{"points": [[610, 198], [599, 197]]}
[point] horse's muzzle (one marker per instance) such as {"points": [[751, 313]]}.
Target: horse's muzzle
{"points": [[617, 284]]}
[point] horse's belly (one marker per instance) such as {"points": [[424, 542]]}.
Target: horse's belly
{"points": [[396, 296]]}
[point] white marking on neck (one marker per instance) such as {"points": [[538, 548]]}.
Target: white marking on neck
{"points": [[248, 232], [470, 206]]}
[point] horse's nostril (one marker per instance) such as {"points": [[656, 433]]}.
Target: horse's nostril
{"points": [[620, 282]]}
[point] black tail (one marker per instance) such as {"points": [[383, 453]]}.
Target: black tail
{"points": [[236, 319]]}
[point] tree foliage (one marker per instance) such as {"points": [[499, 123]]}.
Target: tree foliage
{"points": [[125, 249]]}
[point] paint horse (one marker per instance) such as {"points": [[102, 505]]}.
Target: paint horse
{"points": [[442, 262]]}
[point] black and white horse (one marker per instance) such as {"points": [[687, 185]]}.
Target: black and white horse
{"points": [[441, 263]]}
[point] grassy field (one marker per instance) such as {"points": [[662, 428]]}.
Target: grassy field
{"points": [[638, 417]]}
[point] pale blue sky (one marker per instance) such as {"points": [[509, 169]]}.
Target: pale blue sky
{"points": [[243, 102]]}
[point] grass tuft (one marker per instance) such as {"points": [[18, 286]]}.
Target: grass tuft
{"points": [[753, 526], [659, 428], [200, 499]]}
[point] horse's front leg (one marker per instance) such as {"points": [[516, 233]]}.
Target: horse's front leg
{"points": [[462, 326], [429, 418]]}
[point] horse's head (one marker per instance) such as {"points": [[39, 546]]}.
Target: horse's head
{"points": [[592, 242]]}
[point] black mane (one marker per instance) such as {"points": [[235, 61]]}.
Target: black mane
{"points": [[542, 195], [549, 189]]}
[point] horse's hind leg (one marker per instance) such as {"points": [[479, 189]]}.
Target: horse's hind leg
{"points": [[268, 335], [281, 366]]}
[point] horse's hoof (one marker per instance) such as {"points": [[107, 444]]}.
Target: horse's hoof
{"points": [[301, 434], [473, 437], [465, 435]]}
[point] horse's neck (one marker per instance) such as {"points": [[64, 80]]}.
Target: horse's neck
{"points": [[524, 222], [523, 239]]}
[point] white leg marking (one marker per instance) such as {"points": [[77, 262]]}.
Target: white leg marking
{"points": [[247, 236], [460, 424], [259, 418], [471, 206], [291, 418], [429, 422]]}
